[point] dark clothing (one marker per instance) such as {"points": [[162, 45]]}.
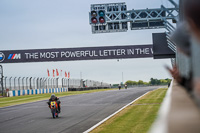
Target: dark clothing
{"points": [[52, 99], [169, 84], [119, 87], [187, 84]]}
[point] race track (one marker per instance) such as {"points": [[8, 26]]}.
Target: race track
{"points": [[78, 112]]}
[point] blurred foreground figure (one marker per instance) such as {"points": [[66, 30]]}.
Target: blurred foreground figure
{"points": [[182, 115], [192, 14], [181, 37]]}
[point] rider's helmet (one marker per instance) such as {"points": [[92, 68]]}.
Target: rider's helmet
{"points": [[53, 97]]}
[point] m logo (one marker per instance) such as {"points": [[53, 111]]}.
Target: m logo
{"points": [[14, 56], [2, 57]]}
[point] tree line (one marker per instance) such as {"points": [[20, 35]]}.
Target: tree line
{"points": [[151, 82]]}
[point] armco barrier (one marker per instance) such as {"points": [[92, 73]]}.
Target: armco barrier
{"points": [[14, 93]]}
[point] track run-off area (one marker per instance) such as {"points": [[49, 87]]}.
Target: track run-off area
{"points": [[78, 112]]}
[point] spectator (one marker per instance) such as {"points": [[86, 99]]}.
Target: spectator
{"points": [[192, 15], [181, 37]]}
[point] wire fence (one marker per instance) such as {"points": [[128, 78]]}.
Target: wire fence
{"points": [[25, 83]]}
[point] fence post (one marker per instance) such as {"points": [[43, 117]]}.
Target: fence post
{"points": [[1, 74], [14, 83], [10, 83], [27, 83], [62, 82], [68, 83], [5, 82], [23, 82], [57, 82], [51, 80], [40, 83], [19, 82], [37, 83], [34, 83]]}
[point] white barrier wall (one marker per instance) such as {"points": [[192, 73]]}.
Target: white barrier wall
{"points": [[35, 91], [92, 83]]}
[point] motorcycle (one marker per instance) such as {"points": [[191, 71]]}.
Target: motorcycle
{"points": [[54, 109]]}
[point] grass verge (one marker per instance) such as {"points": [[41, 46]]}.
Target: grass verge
{"points": [[136, 118], [9, 101]]}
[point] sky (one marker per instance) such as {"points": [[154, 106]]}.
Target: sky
{"points": [[45, 24]]}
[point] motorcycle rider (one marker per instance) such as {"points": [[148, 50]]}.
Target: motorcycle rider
{"points": [[54, 98], [125, 86], [119, 86]]}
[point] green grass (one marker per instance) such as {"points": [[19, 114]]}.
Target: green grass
{"points": [[136, 118], [9, 101]]}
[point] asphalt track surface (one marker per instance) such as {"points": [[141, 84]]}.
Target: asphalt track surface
{"points": [[78, 112]]}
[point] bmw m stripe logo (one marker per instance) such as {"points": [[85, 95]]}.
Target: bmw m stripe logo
{"points": [[2, 57], [14, 56]]}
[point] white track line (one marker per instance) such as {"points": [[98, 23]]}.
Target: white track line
{"points": [[20, 99], [92, 128]]}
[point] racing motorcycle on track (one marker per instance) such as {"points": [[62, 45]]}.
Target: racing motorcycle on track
{"points": [[54, 109]]}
